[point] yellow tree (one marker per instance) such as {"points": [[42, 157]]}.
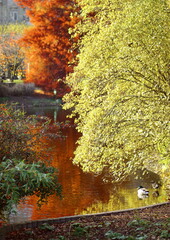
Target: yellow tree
{"points": [[121, 87]]}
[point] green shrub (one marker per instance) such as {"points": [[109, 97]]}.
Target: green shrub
{"points": [[21, 171]]}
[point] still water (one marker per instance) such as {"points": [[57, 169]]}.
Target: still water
{"points": [[82, 193]]}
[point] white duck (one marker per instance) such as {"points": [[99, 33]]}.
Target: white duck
{"points": [[142, 192]]}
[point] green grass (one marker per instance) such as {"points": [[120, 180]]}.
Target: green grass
{"points": [[15, 81]]}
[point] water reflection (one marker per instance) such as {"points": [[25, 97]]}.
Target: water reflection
{"points": [[83, 193]]}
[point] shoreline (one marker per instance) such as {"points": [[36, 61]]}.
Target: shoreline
{"points": [[35, 100], [6, 229]]}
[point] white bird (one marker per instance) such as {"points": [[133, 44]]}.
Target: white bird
{"points": [[142, 192]]}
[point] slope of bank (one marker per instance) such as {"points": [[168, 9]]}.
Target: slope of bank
{"points": [[147, 223]]}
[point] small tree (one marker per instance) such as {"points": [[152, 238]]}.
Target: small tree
{"points": [[11, 55], [21, 171]]}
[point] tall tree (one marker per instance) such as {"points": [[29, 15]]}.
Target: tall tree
{"points": [[121, 87], [49, 47]]}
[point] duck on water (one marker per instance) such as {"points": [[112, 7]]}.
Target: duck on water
{"points": [[142, 192]]}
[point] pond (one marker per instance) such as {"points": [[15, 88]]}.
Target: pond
{"points": [[83, 193]]}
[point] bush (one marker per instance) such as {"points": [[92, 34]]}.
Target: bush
{"points": [[21, 172], [4, 90], [22, 89]]}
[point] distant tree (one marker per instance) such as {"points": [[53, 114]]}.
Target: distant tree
{"points": [[121, 88], [11, 55], [48, 44], [22, 173]]}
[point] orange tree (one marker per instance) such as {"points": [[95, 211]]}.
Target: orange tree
{"points": [[48, 43], [21, 171]]}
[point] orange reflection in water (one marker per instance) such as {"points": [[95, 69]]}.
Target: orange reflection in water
{"points": [[80, 190], [82, 193]]}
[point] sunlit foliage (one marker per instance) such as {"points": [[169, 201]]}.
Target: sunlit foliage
{"points": [[121, 86], [48, 45]]}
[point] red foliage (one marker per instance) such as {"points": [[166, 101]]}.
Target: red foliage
{"points": [[48, 44]]}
